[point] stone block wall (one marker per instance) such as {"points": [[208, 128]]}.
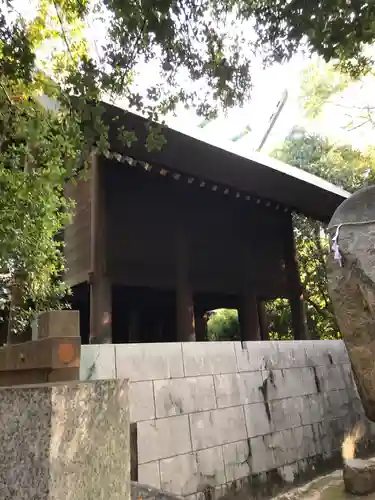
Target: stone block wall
{"points": [[215, 414]]}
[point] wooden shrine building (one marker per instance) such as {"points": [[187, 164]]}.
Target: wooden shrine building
{"points": [[159, 238]]}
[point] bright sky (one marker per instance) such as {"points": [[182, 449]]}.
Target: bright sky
{"points": [[269, 84], [268, 87]]}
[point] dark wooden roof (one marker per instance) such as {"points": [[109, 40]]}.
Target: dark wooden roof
{"points": [[257, 175]]}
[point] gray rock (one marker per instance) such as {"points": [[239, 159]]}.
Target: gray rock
{"points": [[359, 476], [352, 288], [144, 492]]}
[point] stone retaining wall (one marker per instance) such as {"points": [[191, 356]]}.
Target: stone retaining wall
{"points": [[213, 414]]}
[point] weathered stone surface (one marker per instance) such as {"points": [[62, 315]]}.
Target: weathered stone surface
{"points": [[258, 420], [211, 358], [237, 460], [359, 476], [233, 389], [142, 404], [67, 441], [147, 493], [139, 362], [216, 427], [163, 438], [179, 474], [352, 288], [149, 474], [271, 409], [97, 362], [57, 324], [188, 395]]}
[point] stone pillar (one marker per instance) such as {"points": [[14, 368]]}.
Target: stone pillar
{"points": [[100, 285], [248, 316], [263, 321], [184, 296], [52, 356], [56, 324], [200, 325], [299, 321], [69, 441]]}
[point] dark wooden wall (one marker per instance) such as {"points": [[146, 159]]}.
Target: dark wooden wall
{"points": [[143, 211], [78, 234]]}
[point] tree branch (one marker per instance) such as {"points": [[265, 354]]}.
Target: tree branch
{"points": [[360, 125], [320, 310], [63, 30], [6, 94]]}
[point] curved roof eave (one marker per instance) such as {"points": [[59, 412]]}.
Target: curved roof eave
{"points": [[230, 165]]}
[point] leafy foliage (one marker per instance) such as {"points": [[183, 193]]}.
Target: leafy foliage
{"points": [[37, 147], [325, 85], [223, 324], [341, 165], [320, 83], [279, 319], [337, 30], [198, 54]]}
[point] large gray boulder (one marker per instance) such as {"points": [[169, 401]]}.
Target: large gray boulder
{"points": [[359, 476], [351, 282]]}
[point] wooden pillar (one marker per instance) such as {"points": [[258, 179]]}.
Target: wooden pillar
{"points": [[134, 336], [100, 285], [248, 310], [170, 323], [263, 321], [159, 329], [299, 321], [248, 316], [184, 297], [200, 324]]}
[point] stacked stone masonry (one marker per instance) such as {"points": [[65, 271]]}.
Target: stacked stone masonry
{"points": [[212, 414]]}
